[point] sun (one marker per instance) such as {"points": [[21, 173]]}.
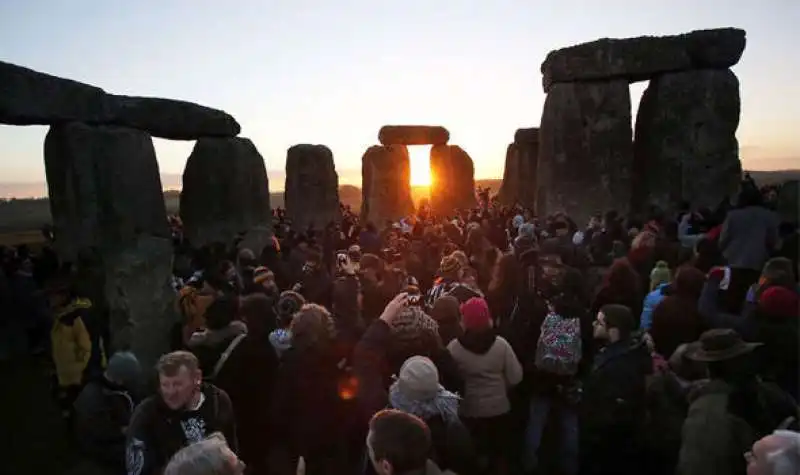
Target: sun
{"points": [[420, 157]]}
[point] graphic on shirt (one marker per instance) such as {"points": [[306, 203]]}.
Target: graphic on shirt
{"points": [[134, 457], [194, 429]]}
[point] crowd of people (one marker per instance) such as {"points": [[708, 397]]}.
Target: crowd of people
{"points": [[491, 341]]}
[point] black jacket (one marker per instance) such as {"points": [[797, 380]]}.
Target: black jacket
{"points": [[103, 411], [157, 432]]}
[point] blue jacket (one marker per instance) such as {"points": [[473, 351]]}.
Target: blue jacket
{"points": [[651, 301]]}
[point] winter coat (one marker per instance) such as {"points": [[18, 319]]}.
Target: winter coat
{"points": [[715, 437], [489, 367], [77, 348], [307, 408], [157, 432], [103, 412], [209, 345], [248, 377], [748, 237], [651, 301]]}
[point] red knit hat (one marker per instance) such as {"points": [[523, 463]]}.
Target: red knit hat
{"points": [[475, 314], [779, 302]]}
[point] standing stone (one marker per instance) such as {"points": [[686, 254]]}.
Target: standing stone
{"points": [[453, 180], [311, 194], [226, 194], [585, 149], [107, 203], [686, 147], [385, 188], [519, 176]]}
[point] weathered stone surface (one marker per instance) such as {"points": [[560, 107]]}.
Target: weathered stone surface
{"points": [[104, 187], [685, 141], [529, 135], [140, 297], [29, 97], [311, 194], [168, 118], [520, 174], [107, 205], [637, 59], [585, 149], [385, 189], [453, 180], [225, 191], [413, 135]]}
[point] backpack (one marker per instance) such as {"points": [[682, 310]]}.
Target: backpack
{"points": [[560, 347]]}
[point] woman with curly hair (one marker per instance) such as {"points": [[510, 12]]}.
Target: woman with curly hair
{"points": [[308, 406]]}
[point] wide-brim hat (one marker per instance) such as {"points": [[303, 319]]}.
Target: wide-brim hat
{"points": [[720, 345]]}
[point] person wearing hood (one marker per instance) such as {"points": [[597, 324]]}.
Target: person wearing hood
{"points": [[221, 329], [103, 411], [185, 411], [613, 400], [417, 392], [489, 368]]}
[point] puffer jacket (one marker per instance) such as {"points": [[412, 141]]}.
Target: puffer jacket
{"points": [[75, 349]]}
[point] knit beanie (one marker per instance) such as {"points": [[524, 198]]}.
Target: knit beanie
{"points": [[779, 302], [475, 314], [660, 275], [124, 368]]}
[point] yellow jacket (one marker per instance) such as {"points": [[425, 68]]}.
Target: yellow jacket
{"points": [[71, 342]]}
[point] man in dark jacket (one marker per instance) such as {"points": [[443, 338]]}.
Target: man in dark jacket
{"points": [[613, 405], [185, 411]]}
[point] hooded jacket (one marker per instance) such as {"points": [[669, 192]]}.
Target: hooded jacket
{"points": [[157, 432], [75, 348]]}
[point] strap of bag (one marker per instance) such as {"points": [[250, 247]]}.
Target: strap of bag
{"points": [[224, 357]]}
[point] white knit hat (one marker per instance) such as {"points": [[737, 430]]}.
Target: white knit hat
{"points": [[419, 379]]}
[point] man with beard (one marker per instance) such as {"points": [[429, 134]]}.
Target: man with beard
{"points": [[185, 411]]}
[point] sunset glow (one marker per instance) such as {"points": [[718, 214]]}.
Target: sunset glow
{"points": [[420, 157]]}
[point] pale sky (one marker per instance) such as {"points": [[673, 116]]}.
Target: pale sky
{"points": [[333, 72]]}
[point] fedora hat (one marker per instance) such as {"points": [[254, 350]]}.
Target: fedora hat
{"points": [[720, 345]]}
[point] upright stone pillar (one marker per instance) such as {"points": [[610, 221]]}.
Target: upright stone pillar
{"points": [[226, 194], [686, 147], [385, 187], [311, 194], [520, 174], [453, 180], [107, 203], [585, 149]]}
